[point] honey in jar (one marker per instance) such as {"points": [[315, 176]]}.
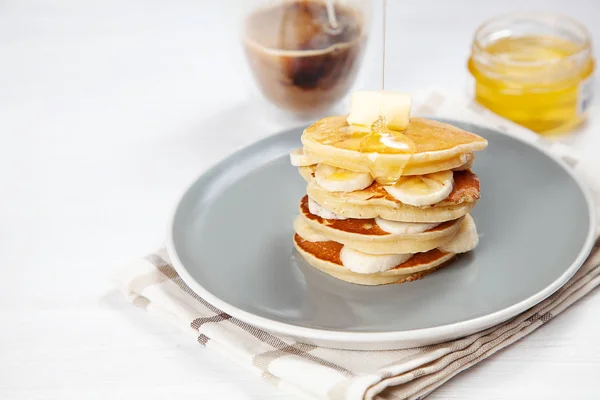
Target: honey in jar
{"points": [[534, 69]]}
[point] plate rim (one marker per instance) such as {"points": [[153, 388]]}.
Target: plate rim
{"points": [[421, 335]]}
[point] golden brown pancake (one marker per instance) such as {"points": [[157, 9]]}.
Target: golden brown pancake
{"points": [[466, 189], [375, 201], [366, 236], [325, 256], [358, 226]]}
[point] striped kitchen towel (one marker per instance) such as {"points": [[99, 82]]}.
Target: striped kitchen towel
{"points": [[152, 284]]}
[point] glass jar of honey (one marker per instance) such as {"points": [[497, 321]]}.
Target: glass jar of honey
{"points": [[534, 69]]}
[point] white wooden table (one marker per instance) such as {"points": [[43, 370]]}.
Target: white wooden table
{"points": [[107, 111]]}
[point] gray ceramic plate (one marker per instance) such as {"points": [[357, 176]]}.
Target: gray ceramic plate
{"points": [[231, 242]]}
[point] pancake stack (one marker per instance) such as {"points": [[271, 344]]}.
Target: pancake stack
{"points": [[385, 206]]}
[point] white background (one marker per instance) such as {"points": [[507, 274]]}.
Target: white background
{"points": [[108, 109]]}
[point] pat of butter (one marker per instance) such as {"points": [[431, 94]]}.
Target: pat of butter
{"points": [[367, 106]]}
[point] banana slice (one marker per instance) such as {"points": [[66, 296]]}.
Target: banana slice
{"points": [[466, 239], [422, 190], [335, 179], [367, 106], [403, 227], [299, 159], [363, 263], [316, 209]]}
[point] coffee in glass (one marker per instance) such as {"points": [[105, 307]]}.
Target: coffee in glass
{"points": [[305, 54]]}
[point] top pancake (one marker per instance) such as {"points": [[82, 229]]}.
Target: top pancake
{"points": [[438, 146]]}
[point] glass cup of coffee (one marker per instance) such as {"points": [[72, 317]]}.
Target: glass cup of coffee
{"points": [[305, 54]]}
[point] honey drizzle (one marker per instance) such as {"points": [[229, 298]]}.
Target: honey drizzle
{"points": [[382, 140], [375, 143], [383, 47]]}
